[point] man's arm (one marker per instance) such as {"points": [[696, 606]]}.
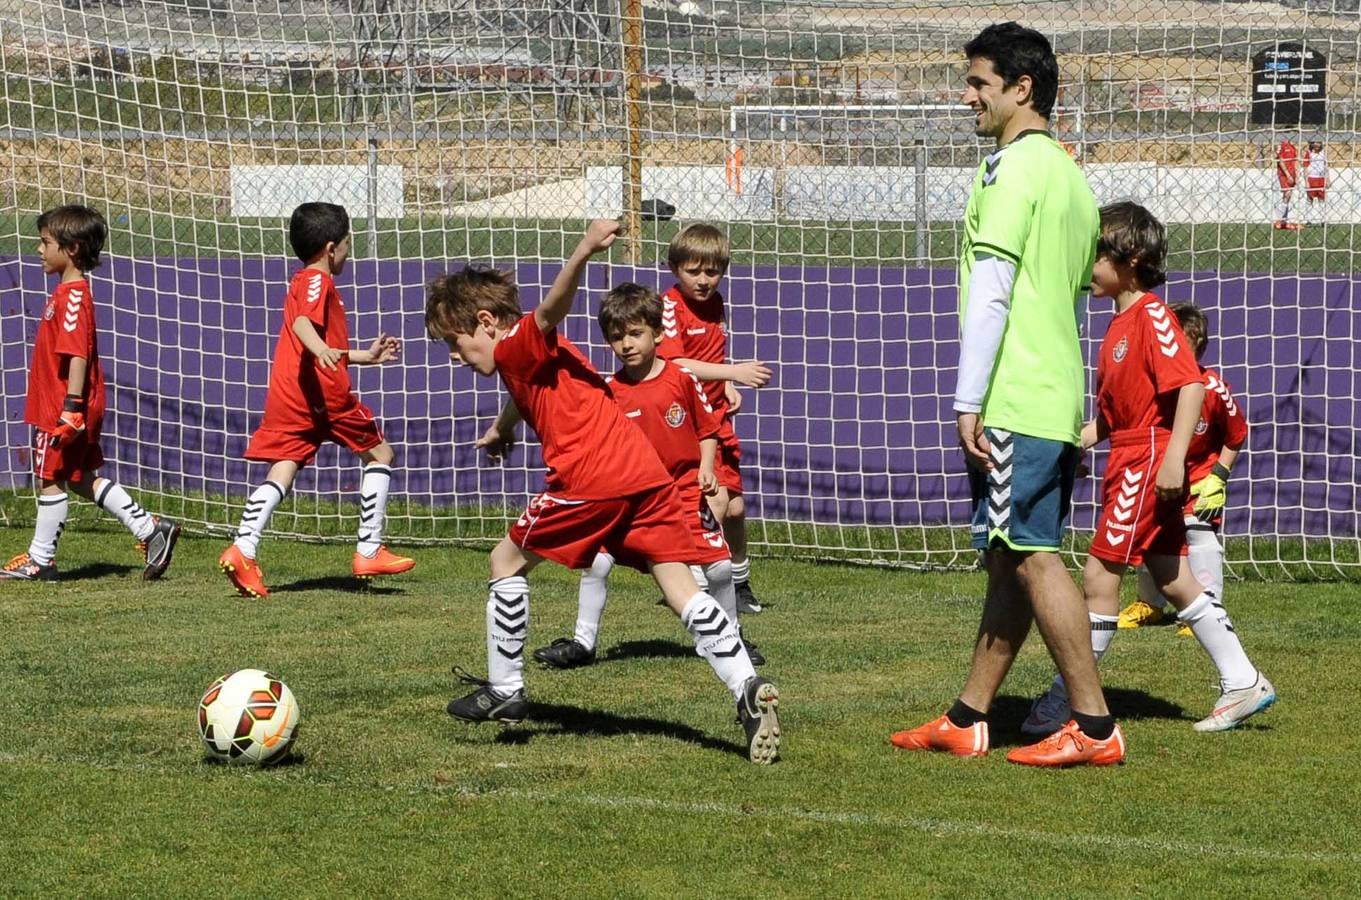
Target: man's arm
{"points": [[985, 322], [327, 357], [600, 234], [1171, 478]]}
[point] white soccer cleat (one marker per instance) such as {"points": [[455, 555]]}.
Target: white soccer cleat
{"points": [[1049, 712], [1235, 706]]}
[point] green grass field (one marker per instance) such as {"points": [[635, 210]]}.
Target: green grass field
{"points": [[628, 778]]}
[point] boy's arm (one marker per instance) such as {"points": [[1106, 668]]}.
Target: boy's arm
{"points": [[708, 452], [1094, 432], [1212, 490], [499, 438], [1171, 478], [750, 374], [327, 357], [384, 348], [71, 422], [600, 234]]}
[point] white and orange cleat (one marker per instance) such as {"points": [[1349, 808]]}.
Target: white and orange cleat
{"points": [[384, 562], [946, 737], [244, 572], [1070, 747]]}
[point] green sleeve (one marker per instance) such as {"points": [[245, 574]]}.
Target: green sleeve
{"points": [[1006, 206]]}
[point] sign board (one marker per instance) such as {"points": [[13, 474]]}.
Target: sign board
{"points": [[1289, 86], [273, 191]]}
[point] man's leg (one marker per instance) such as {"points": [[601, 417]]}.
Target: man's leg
{"points": [[1001, 632], [1061, 616]]}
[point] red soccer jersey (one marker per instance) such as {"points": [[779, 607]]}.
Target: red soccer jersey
{"points": [[301, 393], [674, 414], [1287, 160], [591, 450], [67, 330], [1221, 424], [1144, 359], [698, 331]]}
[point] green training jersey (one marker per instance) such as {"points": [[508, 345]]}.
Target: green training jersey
{"points": [[1031, 205]]}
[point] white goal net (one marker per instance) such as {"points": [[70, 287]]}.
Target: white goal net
{"points": [[825, 137]]}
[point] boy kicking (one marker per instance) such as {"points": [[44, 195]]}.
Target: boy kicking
{"points": [[66, 405], [606, 488], [671, 408], [310, 401], [1149, 392]]}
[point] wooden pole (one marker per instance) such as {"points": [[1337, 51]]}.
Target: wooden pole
{"points": [[633, 114]]}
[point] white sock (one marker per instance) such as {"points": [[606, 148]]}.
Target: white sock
{"points": [[115, 501], [1205, 556], [741, 571], [373, 505], [507, 628], [1103, 630], [716, 580], [52, 510], [1210, 623], [592, 593], [716, 640], [259, 508]]}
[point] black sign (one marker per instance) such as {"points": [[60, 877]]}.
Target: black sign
{"points": [[1289, 86]]}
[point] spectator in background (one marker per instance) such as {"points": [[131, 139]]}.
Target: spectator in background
{"points": [[1287, 172], [1315, 182]]}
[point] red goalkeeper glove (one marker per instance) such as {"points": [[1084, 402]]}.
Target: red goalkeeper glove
{"points": [[71, 425]]}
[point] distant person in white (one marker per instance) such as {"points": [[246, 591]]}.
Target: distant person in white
{"points": [[1315, 182]]}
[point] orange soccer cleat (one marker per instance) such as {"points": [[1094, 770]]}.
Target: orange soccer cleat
{"points": [[943, 735], [1070, 747], [244, 572], [384, 562]]}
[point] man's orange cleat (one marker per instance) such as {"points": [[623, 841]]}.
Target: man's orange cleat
{"points": [[244, 572], [1070, 747], [384, 562], [943, 735]]}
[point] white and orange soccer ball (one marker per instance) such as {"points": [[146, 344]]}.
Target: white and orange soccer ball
{"points": [[248, 717]]}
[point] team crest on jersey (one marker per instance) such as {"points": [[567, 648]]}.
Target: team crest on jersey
{"points": [[675, 415], [1121, 349], [51, 309], [1201, 426]]}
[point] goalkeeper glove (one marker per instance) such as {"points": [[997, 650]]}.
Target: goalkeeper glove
{"points": [[72, 422], [1210, 492]]}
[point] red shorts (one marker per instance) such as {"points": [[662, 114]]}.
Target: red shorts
{"points": [[357, 430], [710, 545], [68, 461], [1287, 184], [728, 466], [1134, 523], [1317, 188], [648, 527]]}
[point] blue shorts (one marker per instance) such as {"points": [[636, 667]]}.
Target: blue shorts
{"points": [[1024, 501]]}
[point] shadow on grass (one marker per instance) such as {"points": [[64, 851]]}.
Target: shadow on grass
{"points": [[1008, 712], [344, 583], [97, 570], [654, 648], [558, 719]]}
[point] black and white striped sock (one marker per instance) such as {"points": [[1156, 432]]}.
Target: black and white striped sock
{"points": [[373, 502], [507, 629], [52, 510], [115, 501], [259, 508], [717, 640]]}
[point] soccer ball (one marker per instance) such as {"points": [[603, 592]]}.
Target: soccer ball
{"points": [[248, 717]]}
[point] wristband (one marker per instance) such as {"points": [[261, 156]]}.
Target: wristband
{"points": [[1220, 471], [73, 404]]}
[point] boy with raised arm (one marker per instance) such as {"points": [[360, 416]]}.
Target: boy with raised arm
{"points": [[670, 406], [66, 405], [310, 402], [1149, 394], [605, 487]]}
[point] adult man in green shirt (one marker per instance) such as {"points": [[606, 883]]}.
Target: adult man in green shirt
{"points": [[1030, 237]]}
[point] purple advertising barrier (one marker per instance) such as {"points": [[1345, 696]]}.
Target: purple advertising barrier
{"points": [[855, 430]]}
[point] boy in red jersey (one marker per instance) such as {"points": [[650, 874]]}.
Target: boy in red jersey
{"points": [[1219, 435], [668, 403], [605, 486], [1287, 173], [695, 330], [1149, 394], [66, 404], [310, 401]]}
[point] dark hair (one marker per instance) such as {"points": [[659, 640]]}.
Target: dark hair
{"points": [[455, 300], [1015, 50], [1129, 233], [628, 303], [1193, 325], [314, 225], [702, 243], [79, 230]]}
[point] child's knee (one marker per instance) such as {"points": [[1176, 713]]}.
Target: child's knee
{"points": [[383, 455]]}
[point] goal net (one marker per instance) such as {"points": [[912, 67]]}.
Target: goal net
{"points": [[825, 137]]}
